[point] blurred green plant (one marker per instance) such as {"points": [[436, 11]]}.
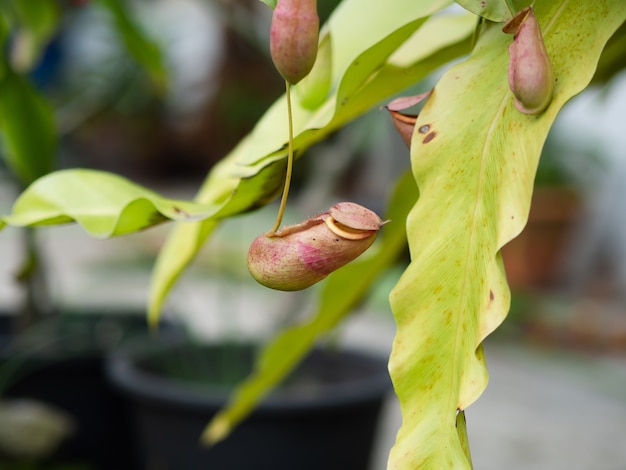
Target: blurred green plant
{"points": [[29, 132], [474, 159]]}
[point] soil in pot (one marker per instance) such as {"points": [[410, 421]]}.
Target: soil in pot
{"points": [[324, 417]]}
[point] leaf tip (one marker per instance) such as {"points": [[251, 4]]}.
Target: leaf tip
{"points": [[154, 314], [216, 431]]}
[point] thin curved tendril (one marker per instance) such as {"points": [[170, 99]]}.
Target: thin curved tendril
{"points": [[283, 201]]}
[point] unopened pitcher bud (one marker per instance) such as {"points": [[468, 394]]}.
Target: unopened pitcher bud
{"points": [[298, 256], [293, 38], [530, 73]]}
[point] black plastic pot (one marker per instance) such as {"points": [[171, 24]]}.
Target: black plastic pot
{"points": [[325, 417], [61, 363]]}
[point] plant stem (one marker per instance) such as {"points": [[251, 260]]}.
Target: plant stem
{"points": [[283, 201], [31, 275]]}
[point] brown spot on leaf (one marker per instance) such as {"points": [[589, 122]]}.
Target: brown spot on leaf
{"points": [[424, 129], [179, 211], [491, 296], [429, 137]]}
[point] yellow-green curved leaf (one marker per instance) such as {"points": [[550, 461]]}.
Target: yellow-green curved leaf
{"points": [[287, 349], [104, 204], [612, 59], [356, 60], [313, 89], [266, 144], [186, 239], [474, 157]]}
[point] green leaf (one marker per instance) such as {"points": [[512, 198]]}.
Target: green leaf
{"points": [[461, 428], [4, 33], [270, 3], [104, 204], [313, 89], [356, 61], [186, 239], [494, 10], [27, 127], [37, 22], [287, 349], [474, 158], [613, 58], [383, 70], [141, 47]]}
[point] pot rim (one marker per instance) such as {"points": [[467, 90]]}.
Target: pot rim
{"points": [[124, 371]]}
